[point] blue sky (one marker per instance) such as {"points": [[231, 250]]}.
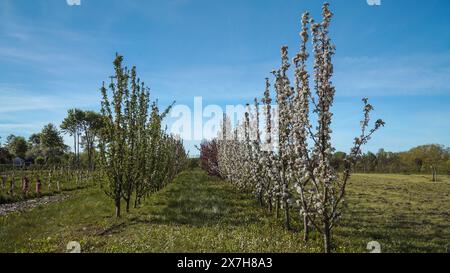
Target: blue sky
{"points": [[54, 57]]}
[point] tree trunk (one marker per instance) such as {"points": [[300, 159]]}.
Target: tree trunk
{"points": [[260, 198], [305, 228], [117, 203], [327, 237], [89, 156], [277, 208], [287, 222], [128, 205], [74, 149], [434, 174], [79, 158], [78, 150]]}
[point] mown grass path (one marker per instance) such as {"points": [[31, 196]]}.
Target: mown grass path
{"points": [[197, 213]]}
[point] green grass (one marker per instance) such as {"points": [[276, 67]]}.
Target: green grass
{"points": [[405, 213], [198, 213]]}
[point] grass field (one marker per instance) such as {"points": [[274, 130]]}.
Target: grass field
{"points": [[198, 213]]}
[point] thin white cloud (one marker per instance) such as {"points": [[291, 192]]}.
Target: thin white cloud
{"points": [[238, 82], [17, 100], [15, 126], [393, 76]]}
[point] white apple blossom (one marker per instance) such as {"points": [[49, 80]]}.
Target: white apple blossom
{"points": [[292, 174]]}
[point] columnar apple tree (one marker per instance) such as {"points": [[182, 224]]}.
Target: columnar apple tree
{"points": [[295, 172], [137, 156]]}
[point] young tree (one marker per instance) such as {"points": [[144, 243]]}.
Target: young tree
{"points": [[137, 156], [267, 156], [284, 94], [293, 164], [327, 187], [113, 147], [257, 157]]}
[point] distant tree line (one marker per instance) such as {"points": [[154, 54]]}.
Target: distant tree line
{"points": [[47, 148], [44, 148], [433, 159]]}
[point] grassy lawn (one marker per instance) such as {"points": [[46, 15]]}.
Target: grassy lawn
{"points": [[198, 213]]}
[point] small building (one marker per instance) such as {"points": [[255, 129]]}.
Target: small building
{"points": [[18, 162]]}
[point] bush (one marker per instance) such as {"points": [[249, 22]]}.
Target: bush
{"points": [[209, 157], [194, 163], [39, 160]]}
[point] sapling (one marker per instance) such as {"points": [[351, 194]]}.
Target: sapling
{"points": [[137, 157], [327, 190]]}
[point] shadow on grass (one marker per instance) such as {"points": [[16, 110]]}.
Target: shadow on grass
{"points": [[197, 200]]}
